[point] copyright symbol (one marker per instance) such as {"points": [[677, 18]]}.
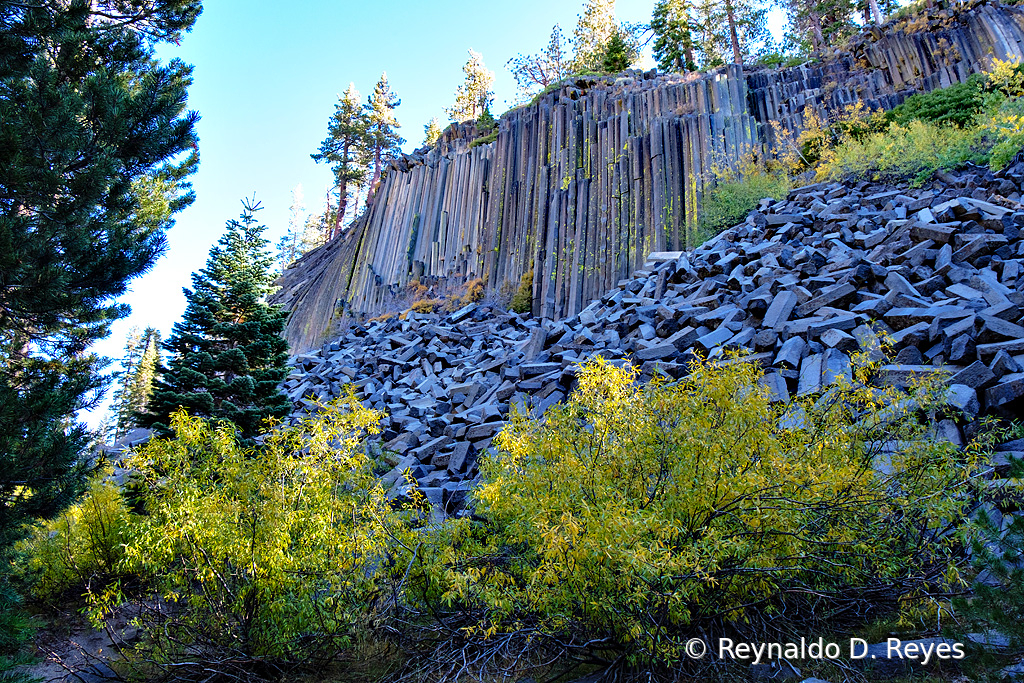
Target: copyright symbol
{"points": [[696, 648]]}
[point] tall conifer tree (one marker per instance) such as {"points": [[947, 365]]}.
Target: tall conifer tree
{"points": [[140, 363], [474, 96], [346, 149], [96, 147], [382, 139], [673, 35], [228, 355]]}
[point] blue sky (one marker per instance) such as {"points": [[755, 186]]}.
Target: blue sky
{"points": [[266, 80]]}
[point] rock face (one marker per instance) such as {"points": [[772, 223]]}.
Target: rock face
{"points": [[801, 285], [581, 185]]}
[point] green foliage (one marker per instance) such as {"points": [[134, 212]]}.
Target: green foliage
{"points": [[997, 541], [382, 138], [673, 36], [16, 632], [475, 94], [347, 148], [432, 132], [96, 147], [486, 123], [279, 552], [736, 194], [618, 55], [83, 548], [140, 363], [956, 105], [484, 140], [522, 300], [228, 354], [636, 516]]}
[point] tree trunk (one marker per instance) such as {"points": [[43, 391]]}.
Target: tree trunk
{"points": [[875, 12], [690, 65], [342, 204], [816, 35], [733, 36]]}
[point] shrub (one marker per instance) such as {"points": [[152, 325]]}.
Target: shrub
{"points": [[997, 541], [737, 193], [427, 305], [636, 516], [903, 153], [522, 301], [271, 558], [82, 549], [1003, 129], [474, 291], [956, 105]]}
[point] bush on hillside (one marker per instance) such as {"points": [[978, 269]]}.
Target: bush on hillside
{"points": [[956, 105], [910, 153], [281, 552], [736, 193], [634, 517], [83, 548], [263, 559], [522, 300]]}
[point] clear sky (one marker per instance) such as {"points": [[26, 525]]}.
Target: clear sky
{"points": [[266, 78]]}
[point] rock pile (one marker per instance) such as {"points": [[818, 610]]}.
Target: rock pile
{"points": [[802, 284]]}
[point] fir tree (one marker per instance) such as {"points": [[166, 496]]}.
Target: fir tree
{"points": [[432, 132], [383, 140], [96, 147], [140, 363], [228, 355], [347, 148], [673, 35], [821, 23], [475, 94], [618, 55]]}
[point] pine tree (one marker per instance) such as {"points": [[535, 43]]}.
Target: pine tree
{"points": [[96, 147], [536, 72], [346, 148], [618, 55], [383, 140], [821, 23], [432, 132], [727, 27], [594, 30], [673, 36], [140, 363], [228, 355], [475, 94]]}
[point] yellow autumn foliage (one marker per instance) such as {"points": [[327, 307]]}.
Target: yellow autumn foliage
{"points": [[639, 515]]}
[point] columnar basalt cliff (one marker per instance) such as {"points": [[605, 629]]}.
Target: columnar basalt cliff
{"points": [[586, 181]]}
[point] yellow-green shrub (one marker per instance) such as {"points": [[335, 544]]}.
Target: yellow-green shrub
{"points": [[82, 549], [427, 305], [522, 301], [275, 553], [903, 153], [636, 516], [737, 191]]}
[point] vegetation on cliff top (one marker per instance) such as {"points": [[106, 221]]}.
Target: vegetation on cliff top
{"points": [[979, 121]]}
